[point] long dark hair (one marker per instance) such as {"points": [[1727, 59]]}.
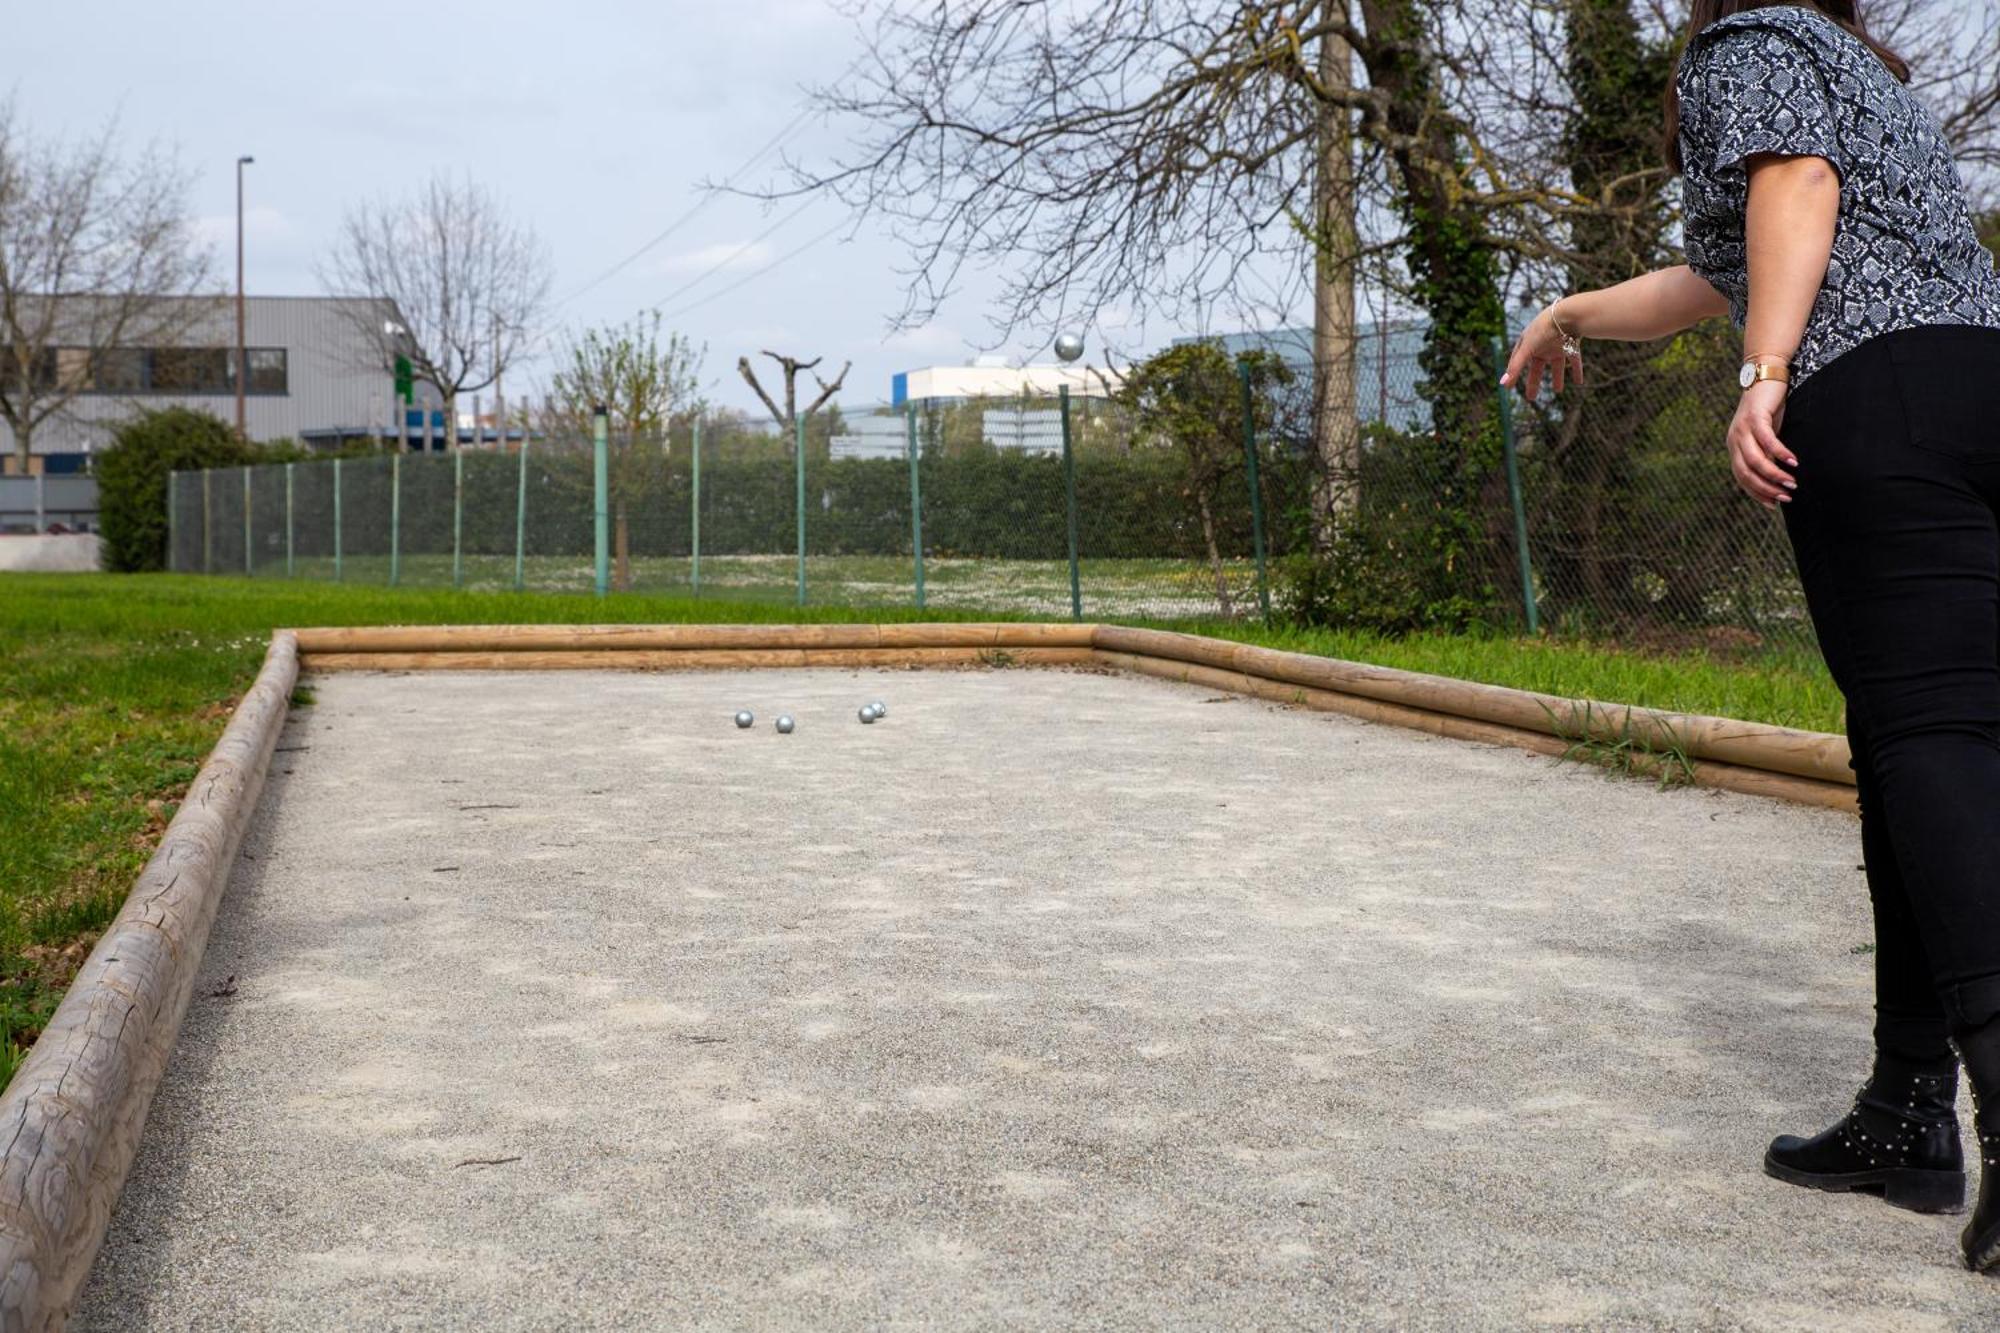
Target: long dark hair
{"points": [[1846, 13]]}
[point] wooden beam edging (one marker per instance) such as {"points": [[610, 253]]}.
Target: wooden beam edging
{"points": [[1820, 756], [688, 659], [72, 1117], [684, 638], [1742, 756], [1705, 773]]}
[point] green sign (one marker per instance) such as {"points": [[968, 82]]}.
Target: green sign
{"points": [[405, 381]]}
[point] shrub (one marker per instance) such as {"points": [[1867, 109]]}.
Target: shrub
{"points": [[132, 479]]}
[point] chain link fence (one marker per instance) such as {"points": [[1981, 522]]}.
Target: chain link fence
{"points": [[1607, 514]]}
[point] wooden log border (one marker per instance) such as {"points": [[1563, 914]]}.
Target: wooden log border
{"points": [[72, 1117], [74, 1112], [1806, 766]]}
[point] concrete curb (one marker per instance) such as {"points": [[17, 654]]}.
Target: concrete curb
{"points": [[72, 1117]]}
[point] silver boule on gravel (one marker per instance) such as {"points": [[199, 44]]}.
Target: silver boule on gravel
{"points": [[746, 718], [881, 709], [867, 713], [785, 724]]}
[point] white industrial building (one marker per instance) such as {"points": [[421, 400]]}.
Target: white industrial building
{"points": [[1019, 405]]}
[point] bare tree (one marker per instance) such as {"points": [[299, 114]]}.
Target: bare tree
{"points": [[96, 253], [788, 417], [643, 384], [467, 282]]}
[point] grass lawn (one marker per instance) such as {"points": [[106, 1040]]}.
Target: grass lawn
{"points": [[114, 688]]}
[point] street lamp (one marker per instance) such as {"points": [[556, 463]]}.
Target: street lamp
{"points": [[242, 354]]}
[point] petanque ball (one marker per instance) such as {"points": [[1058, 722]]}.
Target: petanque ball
{"points": [[785, 724], [881, 709], [867, 713], [746, 718]]}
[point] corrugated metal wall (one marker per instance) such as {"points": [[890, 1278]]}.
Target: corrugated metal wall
{"points": [[333, 382]]}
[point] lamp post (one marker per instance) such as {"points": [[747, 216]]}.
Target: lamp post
{"points": [[1069, 347], [242, 354]]}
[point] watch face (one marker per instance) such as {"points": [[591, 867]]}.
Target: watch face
{"points": [[1748, 375]]}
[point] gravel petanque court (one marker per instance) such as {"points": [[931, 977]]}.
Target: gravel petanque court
{"points": [[1055, 999]]}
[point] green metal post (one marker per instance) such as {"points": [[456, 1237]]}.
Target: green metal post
{"points": [[1069, 499], [1256, 491], [916, 503], [249, 565], [207, 544], [173, 521], [395, 519], [521, 521], [457, 517], [288, 518], [694, 514], [600, 429], [336, 520], [1514, 492], [799, 453]]}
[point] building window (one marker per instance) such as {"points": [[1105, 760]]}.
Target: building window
{"points": [[268, 371], [160, 370], [189, 370]]}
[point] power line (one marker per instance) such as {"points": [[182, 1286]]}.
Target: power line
{"points": [[699, 205], [732, 256], [793, 253]]}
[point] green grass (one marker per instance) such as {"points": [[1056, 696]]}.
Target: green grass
{"points": [[113, 689]]}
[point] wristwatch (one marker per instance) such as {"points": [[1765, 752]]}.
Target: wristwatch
{"points": [[1755, 371]]}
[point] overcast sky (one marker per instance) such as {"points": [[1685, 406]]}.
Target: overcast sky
{"points": [[594, 121]]}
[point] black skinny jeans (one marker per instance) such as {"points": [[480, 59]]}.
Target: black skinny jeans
{"points": [[1896, 527]]}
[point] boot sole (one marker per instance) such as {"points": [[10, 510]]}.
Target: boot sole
{"points": [[1900, 1187]]}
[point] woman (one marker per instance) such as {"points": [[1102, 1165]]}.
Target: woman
{"points": [[1823, 212]]}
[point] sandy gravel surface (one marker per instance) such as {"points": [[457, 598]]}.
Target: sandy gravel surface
{"points": [[1054, 1000]]}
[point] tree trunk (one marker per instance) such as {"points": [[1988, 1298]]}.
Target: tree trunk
{"points": [[1336, 422], [1215, 558], [24, 448], [450, 422]]}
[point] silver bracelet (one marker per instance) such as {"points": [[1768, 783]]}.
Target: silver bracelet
{"points": [[1572, 349]]}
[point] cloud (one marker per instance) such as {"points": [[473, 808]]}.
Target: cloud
{"points": [[929, 340], [262, 223], [723, 256]]}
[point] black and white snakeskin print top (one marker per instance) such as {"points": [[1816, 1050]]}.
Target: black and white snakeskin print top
{"points": [[1786, 79]]}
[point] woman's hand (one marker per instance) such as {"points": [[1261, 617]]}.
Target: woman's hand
{"points": [[1755, 451], [1540, 349]]}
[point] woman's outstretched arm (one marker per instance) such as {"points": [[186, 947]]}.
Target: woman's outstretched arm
{"points": [[1640, 309]]}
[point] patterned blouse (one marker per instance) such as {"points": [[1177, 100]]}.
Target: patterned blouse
{"points": [[1786, 79]]}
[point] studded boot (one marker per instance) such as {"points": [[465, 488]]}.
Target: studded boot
{"points": [[1900, 1140], [1980, 1050]]}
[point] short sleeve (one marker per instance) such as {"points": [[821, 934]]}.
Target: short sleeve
{"points": [[1764, 91]]}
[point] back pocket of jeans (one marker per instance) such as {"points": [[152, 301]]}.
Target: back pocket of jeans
{"points": [[1950, 382]]}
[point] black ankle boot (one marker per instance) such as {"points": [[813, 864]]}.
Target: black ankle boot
{"points": [[1979, 1049], [1901, 1140]]}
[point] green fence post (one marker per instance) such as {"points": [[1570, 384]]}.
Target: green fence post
{"points": [[799, 453], [457, 517], [521, 521], [173, 521], [288, 518], [600, 431], [694, 514], [1514, 492], [207, 545], [916, 502], [395, 519], [249, 566], [336, 520], [1256, 491], [1069, 494]]}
